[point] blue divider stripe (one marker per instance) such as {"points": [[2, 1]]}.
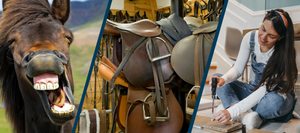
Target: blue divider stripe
{"points": [[91, 67], [207, 66]]}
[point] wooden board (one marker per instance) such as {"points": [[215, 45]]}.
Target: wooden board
{"points": [[259, 131], [239, 131], [206, 122]]}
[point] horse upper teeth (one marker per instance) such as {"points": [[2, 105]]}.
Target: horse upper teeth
{"points": [[43, 86], [50, 86], [56, 85], [37, 86]]}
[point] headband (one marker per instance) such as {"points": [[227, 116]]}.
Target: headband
{"points": [[280, 16]]}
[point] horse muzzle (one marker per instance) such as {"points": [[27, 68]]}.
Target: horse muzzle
{"points": [[45, 70]]}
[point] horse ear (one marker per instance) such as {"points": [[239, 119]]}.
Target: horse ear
{"points": [[61, 10], [4, 3]]}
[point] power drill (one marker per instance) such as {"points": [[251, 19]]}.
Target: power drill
{"points": [[213, 93]]}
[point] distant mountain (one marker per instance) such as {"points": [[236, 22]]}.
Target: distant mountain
{"points": [[83, 12]]}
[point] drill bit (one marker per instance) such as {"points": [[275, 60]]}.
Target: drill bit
{"points": [[214, 87]]}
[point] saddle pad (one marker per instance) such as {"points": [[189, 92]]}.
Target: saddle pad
{"points": [[174, 28], [107, 70], [136, 123]]}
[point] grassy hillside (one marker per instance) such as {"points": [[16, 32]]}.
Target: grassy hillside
{"points": [[80, 61], [4, 124]]}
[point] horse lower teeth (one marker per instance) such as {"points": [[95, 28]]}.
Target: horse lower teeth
{"points": [[63, 112]]}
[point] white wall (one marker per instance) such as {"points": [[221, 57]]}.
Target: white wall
{"points": [[240, 17]]}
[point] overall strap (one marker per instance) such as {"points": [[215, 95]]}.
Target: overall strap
{"points": [[252, 40]]}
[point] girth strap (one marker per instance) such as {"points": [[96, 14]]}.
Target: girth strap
{"points": [[199, 65]]}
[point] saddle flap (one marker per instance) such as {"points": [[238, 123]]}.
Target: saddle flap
{"points": [[183, 55], [138, 70], [136, 123], [207, 28], [144, 27], [107, 70]]}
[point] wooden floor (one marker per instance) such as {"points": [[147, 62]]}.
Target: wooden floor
{"points": [[292, 126]]}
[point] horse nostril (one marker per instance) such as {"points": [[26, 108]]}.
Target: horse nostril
{"points": [[61, 56], [27, 58], [57, 53], [30, 55]]}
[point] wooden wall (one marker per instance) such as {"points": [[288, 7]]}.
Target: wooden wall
{"points": [[139, 5]]}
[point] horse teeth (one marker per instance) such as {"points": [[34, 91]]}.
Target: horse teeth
{"points": [[43, 86], [63, 112], [37, 86], [50, 86], [56, 85]]}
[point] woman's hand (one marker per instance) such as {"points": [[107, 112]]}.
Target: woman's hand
{"points": [[220, 81], [222, 116]]}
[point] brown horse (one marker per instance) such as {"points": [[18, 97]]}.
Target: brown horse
{"points": [[35, 70]]}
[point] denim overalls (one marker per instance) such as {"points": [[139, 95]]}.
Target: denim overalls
{"points": [[272, 105]]}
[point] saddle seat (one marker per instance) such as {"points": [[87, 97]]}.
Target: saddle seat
{"points": [[144, 27]]}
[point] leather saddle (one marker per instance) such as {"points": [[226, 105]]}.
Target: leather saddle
{"points": [[142, 53], [137, 69], [190, 55]]}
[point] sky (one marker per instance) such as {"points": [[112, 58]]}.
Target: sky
{"points": [[50, 1]]}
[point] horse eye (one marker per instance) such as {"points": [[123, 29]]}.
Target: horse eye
{"points": [[11, 41], [69, 39]]}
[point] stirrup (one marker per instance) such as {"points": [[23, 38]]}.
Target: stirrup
{"points": [[153, 59], [148, 118]]}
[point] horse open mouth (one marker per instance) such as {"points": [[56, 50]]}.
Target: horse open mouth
{"points": [[55, 87]]}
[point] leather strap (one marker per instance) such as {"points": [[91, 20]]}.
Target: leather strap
{"points": [[158, 78], [151, 107], [125, 59], [103, 128], [197, 65], [93, 124], [131, 107], [196, 8], [114, 119]]}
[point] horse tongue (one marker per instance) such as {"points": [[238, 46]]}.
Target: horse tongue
{"points": [[57, 97], [45, 78]]}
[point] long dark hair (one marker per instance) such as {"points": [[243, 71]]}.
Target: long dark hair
{"points": [[281, 66]]}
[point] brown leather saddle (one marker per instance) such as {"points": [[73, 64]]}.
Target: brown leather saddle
{"points": [[143, 53], [190, 55]]}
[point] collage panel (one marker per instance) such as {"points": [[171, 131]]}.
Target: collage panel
{"points": [[46, 50], [253, 81], [156, 60]]}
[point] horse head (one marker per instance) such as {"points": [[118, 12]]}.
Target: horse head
{"points": [[35, 64]]}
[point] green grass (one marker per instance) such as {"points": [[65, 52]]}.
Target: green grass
{"points": [[80, 61], [5, 125], [96, 22]]}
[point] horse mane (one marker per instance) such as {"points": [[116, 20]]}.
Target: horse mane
{"points": [[15, 14]]}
